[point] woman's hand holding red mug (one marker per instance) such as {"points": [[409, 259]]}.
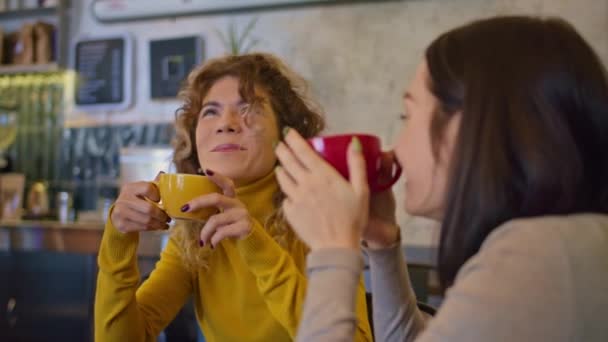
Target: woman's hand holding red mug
{"points": [[324, 209], [382, 230]]}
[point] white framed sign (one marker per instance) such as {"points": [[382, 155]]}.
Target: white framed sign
{"points": [[104, 69], [115, 10]]}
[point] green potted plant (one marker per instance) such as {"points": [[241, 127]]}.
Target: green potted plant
{"points": [[237, 43]]}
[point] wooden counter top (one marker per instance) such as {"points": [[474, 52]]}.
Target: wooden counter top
{"points": [[70, 237]]}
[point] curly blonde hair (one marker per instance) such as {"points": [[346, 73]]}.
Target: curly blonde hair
{"points": [[287, 94]]}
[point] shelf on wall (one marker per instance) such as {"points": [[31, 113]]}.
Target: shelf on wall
{"points": [[23, 13], [28, 68], [129, 10]]}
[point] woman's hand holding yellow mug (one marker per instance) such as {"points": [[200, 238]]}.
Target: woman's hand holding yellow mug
{"points": [[135, 209], [184, 196], [233, 220]]}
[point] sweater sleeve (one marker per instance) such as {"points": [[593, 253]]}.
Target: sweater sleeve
{"points": [[125, 311], [330, 309], [329, 312], [395, 310], [282, 284]]}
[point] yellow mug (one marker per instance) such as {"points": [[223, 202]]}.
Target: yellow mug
{"points": [[177, 189]]}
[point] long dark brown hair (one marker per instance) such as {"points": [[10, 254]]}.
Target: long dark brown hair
{"points": [[533, 139]]}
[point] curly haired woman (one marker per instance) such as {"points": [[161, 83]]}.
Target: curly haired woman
{"points": [[244, 266]]}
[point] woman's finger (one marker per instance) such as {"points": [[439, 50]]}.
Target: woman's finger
{"points": [[304, 152], [236, 229], [215, 222], [356, 168], [290, 161], [211, 200], [125, 225], [145, 221], [387, 166], [134, 221], [225, 183], [146, 208], [157, 225], [286, 182], [287, 206], [147, 190]]}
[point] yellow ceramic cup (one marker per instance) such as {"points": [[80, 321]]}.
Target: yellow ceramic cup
{"points": [[177, 189]]}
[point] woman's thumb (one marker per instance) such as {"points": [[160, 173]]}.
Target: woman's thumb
{"points": [[357, 167]]}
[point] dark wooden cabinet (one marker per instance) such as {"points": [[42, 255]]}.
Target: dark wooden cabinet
{"points": [[46, 296], [6, 289], [48, 273]]}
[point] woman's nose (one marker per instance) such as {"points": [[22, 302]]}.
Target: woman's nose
{"points": [[230, 122]]}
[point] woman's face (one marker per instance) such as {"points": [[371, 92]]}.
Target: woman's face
{"points": [[426, 176], [234, 138]]}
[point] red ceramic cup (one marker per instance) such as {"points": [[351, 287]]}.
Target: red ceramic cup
{"points": [[333, 149]]}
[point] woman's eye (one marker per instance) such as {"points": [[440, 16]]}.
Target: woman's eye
{"points": [[208, 112], [403, 116]]}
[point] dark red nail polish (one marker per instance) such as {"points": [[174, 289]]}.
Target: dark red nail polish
{"points": [[201, 243], [209, 172], [185, 208]]}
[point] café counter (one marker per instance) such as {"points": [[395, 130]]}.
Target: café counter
{"points": [[47, 277], [71, 237]]}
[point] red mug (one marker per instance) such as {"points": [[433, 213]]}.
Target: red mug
{"points": [[333, 149]]}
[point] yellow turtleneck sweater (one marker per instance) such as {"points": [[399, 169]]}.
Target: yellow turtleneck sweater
{"points": [[253, 290]]}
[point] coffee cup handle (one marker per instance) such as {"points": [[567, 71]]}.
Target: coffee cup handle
{"points": [[159, 204], [382, 187]]}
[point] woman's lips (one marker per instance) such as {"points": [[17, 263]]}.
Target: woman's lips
{"points": [[228, 148]]}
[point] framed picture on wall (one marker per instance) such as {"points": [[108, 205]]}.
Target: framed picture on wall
{"points": [[170, 62], [104, 70]]}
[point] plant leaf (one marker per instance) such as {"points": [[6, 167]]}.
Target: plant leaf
{"points": [[252, 43], [223, 38], [247, 31]]}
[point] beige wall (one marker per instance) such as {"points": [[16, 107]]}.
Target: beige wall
{"points": [[358, 57]]}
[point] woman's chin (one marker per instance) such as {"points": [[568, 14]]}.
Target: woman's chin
{"points": [[415, 209], [409, 208], [239, 177]]}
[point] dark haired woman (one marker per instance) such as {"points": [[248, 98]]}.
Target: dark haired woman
{"points": [[505, 144]]}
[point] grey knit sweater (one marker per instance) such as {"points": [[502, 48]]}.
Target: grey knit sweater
{"points": [[540, 279]]}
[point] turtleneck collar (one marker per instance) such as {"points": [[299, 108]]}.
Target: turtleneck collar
{"points": [[258, 196]]}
